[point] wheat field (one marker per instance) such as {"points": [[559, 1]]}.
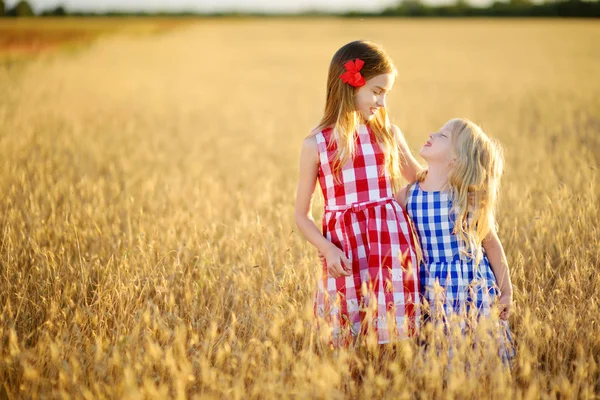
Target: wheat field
{"points": [[147, 184]]}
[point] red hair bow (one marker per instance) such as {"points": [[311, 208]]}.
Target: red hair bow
{"points": [[352, 75]]}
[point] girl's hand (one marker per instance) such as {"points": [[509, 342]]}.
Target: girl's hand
{"points": [[505, 306], [337, 263], [321, 257]]}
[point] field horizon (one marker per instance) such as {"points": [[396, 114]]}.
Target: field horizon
{"points": [[147, 186]]}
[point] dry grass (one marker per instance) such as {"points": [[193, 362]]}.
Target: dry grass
{"points": [[24, 38], [147, 245]]}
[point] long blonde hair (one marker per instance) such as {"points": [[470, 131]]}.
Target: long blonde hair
{"points": [[340, 111], [474, 183]]}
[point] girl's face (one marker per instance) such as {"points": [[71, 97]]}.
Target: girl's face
{"points": [[439, 146], [370, 97]]}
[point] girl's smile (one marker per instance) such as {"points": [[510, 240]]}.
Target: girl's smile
{"points": [[369, 98]]}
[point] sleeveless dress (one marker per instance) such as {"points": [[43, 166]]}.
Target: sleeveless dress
{"points": [[363, 219], [465, 287]]}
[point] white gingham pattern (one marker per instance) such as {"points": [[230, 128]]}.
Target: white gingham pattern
{"points": [[463, 284], [364, 220]]}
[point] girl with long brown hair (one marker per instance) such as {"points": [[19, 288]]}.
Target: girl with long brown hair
{"points": [[369, 280]]}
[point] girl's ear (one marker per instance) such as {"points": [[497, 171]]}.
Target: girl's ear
{"points": [[451, 157]]}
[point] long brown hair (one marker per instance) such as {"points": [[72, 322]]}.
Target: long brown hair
{"points": [[340, 111]]}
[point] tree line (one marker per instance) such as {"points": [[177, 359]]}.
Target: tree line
{"points": [[405, 8]]}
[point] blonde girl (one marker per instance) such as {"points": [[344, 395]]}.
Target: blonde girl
{"points": [[452, 205]]}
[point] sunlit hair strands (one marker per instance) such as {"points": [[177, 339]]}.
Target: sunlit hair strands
{"points": [[340, 112], [474, 182]]}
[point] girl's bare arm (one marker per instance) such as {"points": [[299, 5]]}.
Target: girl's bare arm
{"points": [[409, 166], [337, 262], [497, 257]]}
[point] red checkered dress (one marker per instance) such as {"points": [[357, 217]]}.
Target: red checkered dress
{"points": [[362, 218]]}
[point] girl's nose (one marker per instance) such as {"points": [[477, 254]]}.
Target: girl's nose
{"points": [[381, 101]]}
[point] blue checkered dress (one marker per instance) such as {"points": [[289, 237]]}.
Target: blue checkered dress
{"points": [[463, 286]]}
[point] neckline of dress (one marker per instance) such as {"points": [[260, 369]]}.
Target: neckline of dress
{"points": [[362, 128], [431, 191]]}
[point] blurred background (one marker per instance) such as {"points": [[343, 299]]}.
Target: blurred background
{"points": [[40, 34], [149, 158]]}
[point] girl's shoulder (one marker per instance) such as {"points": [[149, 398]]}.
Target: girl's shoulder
{"points": [[310, 150], [325, 132], [322, 136], [310, 143]]}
